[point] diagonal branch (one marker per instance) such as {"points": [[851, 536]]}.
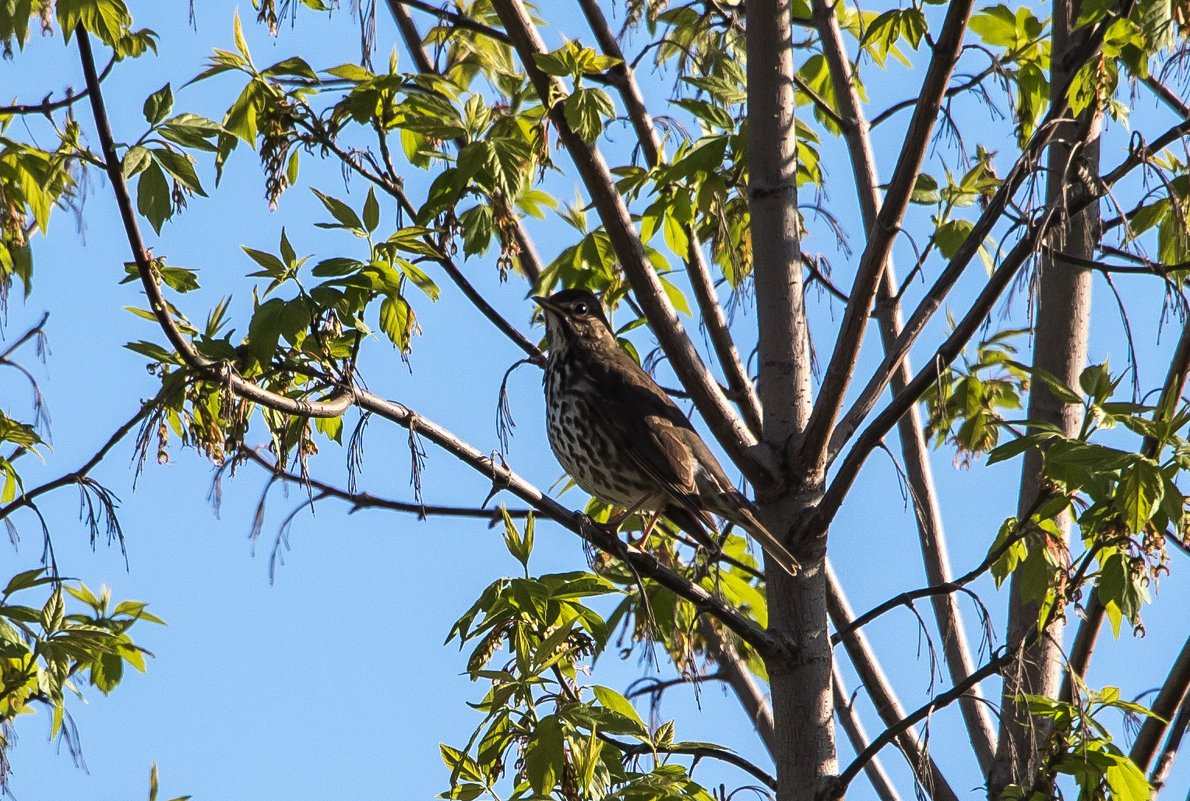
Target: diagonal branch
{"points": [[461, 21], [956, 651], [366, 500], [333, 406], [48, 106], [727, 426], [645, 564], [27, 499], [841, 367], [1172, 695], [882, 695], [854, 728], [697, 269], [735, 672]]}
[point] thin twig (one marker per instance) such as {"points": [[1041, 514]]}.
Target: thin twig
{"points": [[48, 106], [365, 500], [458, 20], [699, 751], [27, 499]]}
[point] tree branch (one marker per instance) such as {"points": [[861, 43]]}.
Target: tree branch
{"points": [[27, 499], [458, 20], [699, 751], [1088, 629], [48, 106], [645, 564], [727, 426], [854, 729], [735, 672], [841, 367], [697, 268], [332, 406], [397, 191], [882, 695], [1171, 696], [365, 500]]}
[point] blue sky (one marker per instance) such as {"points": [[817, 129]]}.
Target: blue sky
{"points": [[333, 680]]}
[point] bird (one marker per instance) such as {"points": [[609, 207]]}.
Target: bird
{"points": [[622, 438]]}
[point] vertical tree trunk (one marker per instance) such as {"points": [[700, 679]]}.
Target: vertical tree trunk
{"points": [[1060, 347], [804, 747]]}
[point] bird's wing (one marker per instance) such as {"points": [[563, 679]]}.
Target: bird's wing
{"points": [[652, 432]]}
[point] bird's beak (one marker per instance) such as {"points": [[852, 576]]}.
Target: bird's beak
{"points": [[545, 304]]}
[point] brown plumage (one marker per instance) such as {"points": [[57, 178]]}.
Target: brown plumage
{"points": [[623, 440]]}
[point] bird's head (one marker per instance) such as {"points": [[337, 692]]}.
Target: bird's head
{"points": [[575, 316]]}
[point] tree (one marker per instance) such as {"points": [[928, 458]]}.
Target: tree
{"points": [[1030, 149]]}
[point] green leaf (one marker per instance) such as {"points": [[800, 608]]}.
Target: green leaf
{"points": [[136, 160], [371, 210], [396, 320], [925, 190], [294, 66], [153, 198], [158, 105], [272, 266], [545, 756], [617, 703], [238, 33], [1138, 493], [477, 229], [344, 214], [181, 168], [586, 111]]}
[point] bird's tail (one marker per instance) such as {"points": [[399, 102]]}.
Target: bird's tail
{"points": [[739, 510], [772, 546]]}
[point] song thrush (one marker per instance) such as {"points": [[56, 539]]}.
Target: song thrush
{"points": [[623, 440]]}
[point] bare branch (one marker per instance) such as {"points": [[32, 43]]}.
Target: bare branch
{"points": [[841, 367], [75, 476], [1171, 696], [699, 751], [735, 672], [882, 695], [48, 106], [1173, 743], [854, 728], [458, 20], [365, 500]]}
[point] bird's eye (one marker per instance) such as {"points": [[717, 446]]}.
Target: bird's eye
{"points": [[580, 308]]}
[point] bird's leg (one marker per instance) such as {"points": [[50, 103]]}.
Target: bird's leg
{"points": [[644, 537], [615, 521]]}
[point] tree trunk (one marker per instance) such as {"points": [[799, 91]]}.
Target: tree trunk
{"points": [[804, 747], [1060, 347]]}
